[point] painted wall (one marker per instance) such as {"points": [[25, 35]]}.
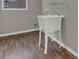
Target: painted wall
{"points": [[13, 21], [54, 7], [69, 24]]}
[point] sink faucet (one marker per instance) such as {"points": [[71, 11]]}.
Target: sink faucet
{"points": [[46, 11]]}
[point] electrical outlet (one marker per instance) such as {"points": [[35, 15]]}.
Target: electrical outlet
{"points": [[35, 24]]}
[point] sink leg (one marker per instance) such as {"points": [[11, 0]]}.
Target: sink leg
{"points": [[60, 38], [39, 37], [46, 43]]}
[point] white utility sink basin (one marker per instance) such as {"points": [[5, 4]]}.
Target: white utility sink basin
{"points": [[49, 21], [48, 16]]}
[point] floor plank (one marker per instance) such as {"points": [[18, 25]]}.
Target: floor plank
{"points": [[25, 46]]}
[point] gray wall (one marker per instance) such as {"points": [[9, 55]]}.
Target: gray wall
{"points": [[69, 25], [13, 21]]}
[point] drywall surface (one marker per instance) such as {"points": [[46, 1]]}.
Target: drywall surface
{"points": [[69, 23], [20, 20]]}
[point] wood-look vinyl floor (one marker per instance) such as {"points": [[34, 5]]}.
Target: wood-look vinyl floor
{"points": [[25, 46]]}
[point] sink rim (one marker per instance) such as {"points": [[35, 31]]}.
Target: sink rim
{"points": [[44, 16]]}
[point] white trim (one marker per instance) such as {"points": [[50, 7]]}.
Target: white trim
{"points": [[64, 46], [15, 8], [19, 32]]}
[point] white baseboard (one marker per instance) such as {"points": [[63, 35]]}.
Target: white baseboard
{"points": [[19, 32], [64, 46]]}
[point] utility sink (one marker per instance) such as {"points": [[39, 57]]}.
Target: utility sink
{"points": [[49, 21], [49, 24]]}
